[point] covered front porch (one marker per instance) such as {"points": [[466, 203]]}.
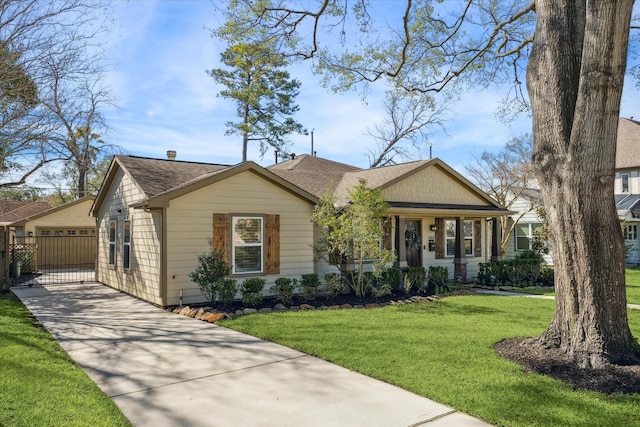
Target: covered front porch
{"points": [[456, 237]]}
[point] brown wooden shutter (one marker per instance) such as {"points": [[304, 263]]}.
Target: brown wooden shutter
{"points": [[272, 246], [439, 238], [477, 238], [222, 235], [386, 226]]}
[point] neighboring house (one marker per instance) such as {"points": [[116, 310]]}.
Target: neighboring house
{"points": [[60, 238], [626, 193], [155, 216], [627, 185], [12, 211], [46, 238]]}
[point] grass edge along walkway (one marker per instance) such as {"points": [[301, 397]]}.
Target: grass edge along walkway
{"points": [[444, 351], [40, 385]]}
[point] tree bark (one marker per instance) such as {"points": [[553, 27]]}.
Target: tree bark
{"points": [[574, 78]]}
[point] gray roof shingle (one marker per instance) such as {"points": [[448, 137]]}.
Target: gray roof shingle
{"points": [[628, 144], [155, 176], [313, 174]]}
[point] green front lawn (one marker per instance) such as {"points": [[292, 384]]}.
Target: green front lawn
{"points": [[39, 383], [444, 351], [633, 285]]}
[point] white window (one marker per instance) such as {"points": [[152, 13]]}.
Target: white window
{"points": [[525, 234], [126, 244], [112, 242], [630, 232], [450, 238], [247, 244], [625, 182]]}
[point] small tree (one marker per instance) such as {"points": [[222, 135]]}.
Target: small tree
{"points": [[211, 270], [353, 234]]}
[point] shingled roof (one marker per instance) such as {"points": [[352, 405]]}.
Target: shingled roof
{"points": [[155, 176], [313, 174], [628, 144], [13, 211]]}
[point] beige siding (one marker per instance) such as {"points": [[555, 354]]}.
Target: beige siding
{"points": [[143, 279], [432, 185], [190, 225], [74, 216]]}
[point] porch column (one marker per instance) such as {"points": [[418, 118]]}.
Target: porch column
{"points": [[400, 242], [460, 262], [496, 238]]}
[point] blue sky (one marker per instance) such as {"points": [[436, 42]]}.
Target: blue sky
{"points": [[161, 50]]}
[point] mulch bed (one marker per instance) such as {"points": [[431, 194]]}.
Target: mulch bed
{"points": [[555, 363]]}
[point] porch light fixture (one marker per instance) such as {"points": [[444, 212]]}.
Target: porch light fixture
{"points": [[433, 227]]}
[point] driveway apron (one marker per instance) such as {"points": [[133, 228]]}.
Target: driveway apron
{"points": [[163, 369]]}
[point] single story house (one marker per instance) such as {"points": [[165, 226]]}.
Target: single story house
{"points": [[154, 216]]}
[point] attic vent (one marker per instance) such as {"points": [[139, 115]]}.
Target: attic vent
{"points": [[171, 154]]}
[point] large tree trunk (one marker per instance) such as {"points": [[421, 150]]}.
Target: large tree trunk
{"points": [[575, 78]]}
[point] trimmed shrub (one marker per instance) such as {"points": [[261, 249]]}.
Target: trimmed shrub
{"points": [[284, 289], [227, 290], [335, 284], [251, 290], [309, 285], [393, 276], [211, 269], [437, 279]]}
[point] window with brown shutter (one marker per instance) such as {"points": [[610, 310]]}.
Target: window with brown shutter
{"points": [[248, 246]]}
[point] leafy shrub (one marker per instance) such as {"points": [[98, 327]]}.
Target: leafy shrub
{"points": [[437, 279], [380, 288], [227, 290], [334, 284], [211, 269], [393, 276], [414, 278], [251, 290], [309, 286], [533, 257], [284, 289], [516, 272]]}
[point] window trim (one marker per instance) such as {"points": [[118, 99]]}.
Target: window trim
{"points": [[624, 177], [529, 235], [471, 238], [111, 257], [126, 245], [261, 245]]}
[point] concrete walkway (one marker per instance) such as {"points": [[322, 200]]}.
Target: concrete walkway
{"points": [[162, 369]]}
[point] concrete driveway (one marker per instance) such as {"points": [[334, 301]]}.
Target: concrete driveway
{"points": [[163, 369]]}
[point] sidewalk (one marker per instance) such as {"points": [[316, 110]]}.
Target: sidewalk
{"points": [[520, 294], [162, 369]]}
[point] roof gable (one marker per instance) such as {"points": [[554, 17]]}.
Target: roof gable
{"points": [[162, 180], [390, 176], [628, 144], [56, 209]]}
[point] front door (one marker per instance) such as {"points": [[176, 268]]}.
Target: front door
{"points": [[413, 242]]}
